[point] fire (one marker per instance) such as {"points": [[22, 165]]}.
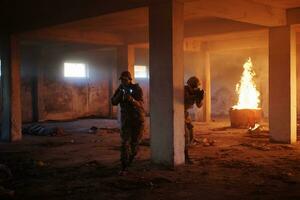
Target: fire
{"points": [[246, 89]]}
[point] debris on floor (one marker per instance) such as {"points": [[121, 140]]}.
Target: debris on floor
{"points": [[39, 130], [110, 130], [208, 142], [93, 130], [258, 146], [256, 129], [85, 166]]}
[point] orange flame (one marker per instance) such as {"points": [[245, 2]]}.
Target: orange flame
{"points": [[246, 89]]}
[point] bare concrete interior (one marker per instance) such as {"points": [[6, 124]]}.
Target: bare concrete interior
{"points": [[174, 39]]}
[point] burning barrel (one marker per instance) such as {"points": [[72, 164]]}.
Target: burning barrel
{"points": [[245, 118], [246, 112]]}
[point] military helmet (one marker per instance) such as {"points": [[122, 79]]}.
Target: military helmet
{"points": [[126, 75], [193, 82]]}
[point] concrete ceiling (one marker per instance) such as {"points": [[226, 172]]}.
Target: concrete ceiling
{"points": [[280, 3], [132, 25]]}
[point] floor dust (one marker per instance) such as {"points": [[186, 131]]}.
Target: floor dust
{"points": [[80, 165]]}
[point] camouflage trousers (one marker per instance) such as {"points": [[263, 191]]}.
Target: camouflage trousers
{"points": [[189, 129], [131, 135], [189, 133]]}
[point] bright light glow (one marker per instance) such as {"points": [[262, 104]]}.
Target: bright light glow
{"points": [[246, 89], [76, 70], [140, 71]]}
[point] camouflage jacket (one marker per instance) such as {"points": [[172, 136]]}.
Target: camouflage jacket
{"points": [[131, 102], [192, 96]]}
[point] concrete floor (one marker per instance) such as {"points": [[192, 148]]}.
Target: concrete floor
{"points": [[81, 165]]}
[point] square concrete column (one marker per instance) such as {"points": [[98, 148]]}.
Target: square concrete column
{"points": [[125, 62], [126, 59], [38, 108], [207, 88], [282, 85], [11, 129], [166, 82]]}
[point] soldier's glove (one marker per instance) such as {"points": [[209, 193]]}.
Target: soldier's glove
{"points": [[199, 94], [128, 97]]}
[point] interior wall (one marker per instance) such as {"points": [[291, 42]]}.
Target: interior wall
{"points": [[69, 99], [226, 71], [75, 97], [61, 98]]}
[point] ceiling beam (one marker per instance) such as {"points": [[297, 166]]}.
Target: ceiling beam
{"points": [[200, 28], [27, 15], [293, 16], [215, 26], [242, 11], [238, 43], [74, 36], [234, 35], [224, 42]]}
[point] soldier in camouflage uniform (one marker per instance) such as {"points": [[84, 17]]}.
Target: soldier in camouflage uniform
{"points": [[192, 95], [130, 98]]}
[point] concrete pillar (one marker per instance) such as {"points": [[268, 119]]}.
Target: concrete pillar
{"points": [[193, 63], [38, 90], [112, 88], [166, 82], [11, 129], [125, 62], [131, 60], [207, 88], [34, 85], [282, 85], [126, 58], [36, 76]]}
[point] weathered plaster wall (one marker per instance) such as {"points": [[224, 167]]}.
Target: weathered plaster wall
{"points": [[61, 98], [70, 98]]}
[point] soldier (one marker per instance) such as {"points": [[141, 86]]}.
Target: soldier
{"points": [[192, 95], [130, 98]]}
